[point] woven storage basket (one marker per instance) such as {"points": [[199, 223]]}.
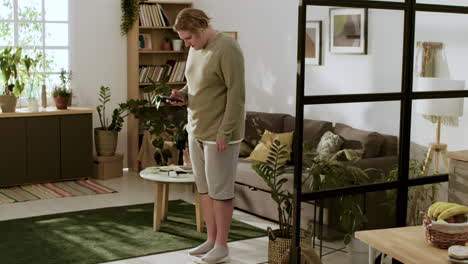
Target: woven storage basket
{"points": [[443, 235], [280, 246]]}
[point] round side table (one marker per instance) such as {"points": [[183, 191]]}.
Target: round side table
{"points": [[162, 181]]}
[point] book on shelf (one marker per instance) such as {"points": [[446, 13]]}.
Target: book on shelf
{"points": [[174, 69], [153, 16]]}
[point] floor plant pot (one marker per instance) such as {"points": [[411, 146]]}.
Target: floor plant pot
{"points": [[8, 103], [358, 252], [105, 141], [61, 102], [278, 247]]}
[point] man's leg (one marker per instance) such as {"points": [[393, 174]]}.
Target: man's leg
{"points": [[223, 216], [208, 211]]}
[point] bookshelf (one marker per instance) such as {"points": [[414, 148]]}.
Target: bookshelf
{"points": [[157, 29]]}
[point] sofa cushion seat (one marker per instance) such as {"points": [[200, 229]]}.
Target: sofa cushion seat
{"points": [[247, 176]]}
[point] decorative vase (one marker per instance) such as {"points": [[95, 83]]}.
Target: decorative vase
{"points": [[33, 105], [105, 141], [8, 103], [177, 44], [44, 97], [61, 102]]}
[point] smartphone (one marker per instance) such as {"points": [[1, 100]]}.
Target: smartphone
{"points": [[171, 98]]}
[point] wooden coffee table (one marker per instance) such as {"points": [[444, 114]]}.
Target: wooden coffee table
{"points": [[162, 181]]}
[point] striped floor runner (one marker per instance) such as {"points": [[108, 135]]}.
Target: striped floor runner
{"points": [[52, 190]]}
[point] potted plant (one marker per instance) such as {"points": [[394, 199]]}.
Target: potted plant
{"points": [[10, 61], [65, 78], [270, 171], [33, 79], [163, 121], [106, 135], [61, 96], [330, 173]]}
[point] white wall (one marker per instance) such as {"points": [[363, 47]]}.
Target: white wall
{"points": [[268, 36], [98, 55]]}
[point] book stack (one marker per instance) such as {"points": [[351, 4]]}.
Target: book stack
{"points": [[174, 69], [153, 16]]}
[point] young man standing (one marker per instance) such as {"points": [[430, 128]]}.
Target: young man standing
{"points": [[215, 97]]}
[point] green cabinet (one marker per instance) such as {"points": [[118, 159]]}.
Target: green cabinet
{"points": [[12, 151], [45, 148]]}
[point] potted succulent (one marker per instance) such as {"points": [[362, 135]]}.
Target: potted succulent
{"points": [[10, 61], [270, 171], [61, 96]]}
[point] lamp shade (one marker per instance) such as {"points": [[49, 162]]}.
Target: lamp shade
{"points": [[452, 107]]}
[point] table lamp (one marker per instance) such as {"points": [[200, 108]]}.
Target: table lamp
{"points": [[440, 108]]}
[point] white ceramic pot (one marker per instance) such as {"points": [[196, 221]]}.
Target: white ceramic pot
{"points": [[177, 44]]}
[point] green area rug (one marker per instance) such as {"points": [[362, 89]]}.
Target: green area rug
{"points": [[107, 234]]}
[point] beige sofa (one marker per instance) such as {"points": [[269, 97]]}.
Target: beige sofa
{"points": [[252, 193]]}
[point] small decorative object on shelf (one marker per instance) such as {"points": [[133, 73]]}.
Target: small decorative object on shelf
{"points": [[61, 96], [166, 45], [44, 96], [177, 44]]}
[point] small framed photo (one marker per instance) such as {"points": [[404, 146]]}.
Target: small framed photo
{"points": [[144, 41], [348, 30], [313, 43], [231, 33]]}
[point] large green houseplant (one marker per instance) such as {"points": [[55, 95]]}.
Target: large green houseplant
{"points": [[106, 135], [271, 172], [163, 121]]}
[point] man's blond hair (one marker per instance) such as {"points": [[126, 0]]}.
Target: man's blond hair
{"points": [[191, 19]]}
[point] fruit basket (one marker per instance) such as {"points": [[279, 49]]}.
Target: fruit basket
{"points": [[444, 235]]}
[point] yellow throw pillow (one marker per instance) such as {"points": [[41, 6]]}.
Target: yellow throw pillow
{"points": [[261, 151]]}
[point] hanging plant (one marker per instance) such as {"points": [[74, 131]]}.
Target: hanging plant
{"points": [[130, 13]]}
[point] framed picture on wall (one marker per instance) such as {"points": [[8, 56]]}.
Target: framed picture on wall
{"points": [[313, 43], [348, 30], [231, 33]]}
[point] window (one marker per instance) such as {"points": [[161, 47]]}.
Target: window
{"points": [[39, 27]]}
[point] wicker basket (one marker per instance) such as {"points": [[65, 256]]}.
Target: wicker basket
{"points": [[453, 234], [278, 247]]}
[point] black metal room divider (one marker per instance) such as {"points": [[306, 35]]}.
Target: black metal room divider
{"points": [[405, 97]]}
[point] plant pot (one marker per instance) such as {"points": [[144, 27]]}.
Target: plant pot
{"points": [[105, 141], [279, 247], [8, 103], [177, 44], [61, 102], [166, 46], [358, 252]]}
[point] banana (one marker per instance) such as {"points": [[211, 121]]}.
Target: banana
{"points": [[432, 208], [442, 221], [451, 211], [443, 208]]}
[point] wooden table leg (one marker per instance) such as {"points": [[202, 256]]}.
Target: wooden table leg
{"points": [[165, 200], [158, 208], [198, 212]]}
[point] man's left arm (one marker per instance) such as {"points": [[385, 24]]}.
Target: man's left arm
{"points": [[232, 69]]}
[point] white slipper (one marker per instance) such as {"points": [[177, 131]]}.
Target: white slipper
{"points": [[198, 259]]}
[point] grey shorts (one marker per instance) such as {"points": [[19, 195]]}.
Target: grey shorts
{"points": [[214, 171]]}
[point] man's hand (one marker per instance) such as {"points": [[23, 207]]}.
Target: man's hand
{"points": [[221, 145], [177, 95]]}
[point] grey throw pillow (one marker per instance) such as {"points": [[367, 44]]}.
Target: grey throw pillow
{"points": [[329, 144]]}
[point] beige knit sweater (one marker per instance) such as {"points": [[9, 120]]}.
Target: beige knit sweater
{"points": [[215, 91]]}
